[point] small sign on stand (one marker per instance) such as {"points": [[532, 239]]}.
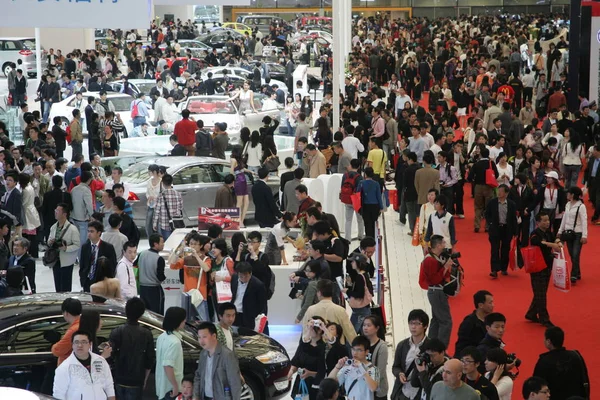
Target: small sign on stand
{"points": [[227, 218]]}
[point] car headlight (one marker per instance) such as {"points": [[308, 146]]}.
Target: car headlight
{"points": [[272, 357]]}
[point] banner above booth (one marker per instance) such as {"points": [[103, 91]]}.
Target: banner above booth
{"points": [[119, 14]]}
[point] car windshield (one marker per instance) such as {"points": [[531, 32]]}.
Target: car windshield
{"points": [[145, 87], [136, 174], [210, 106], [121, 103]]}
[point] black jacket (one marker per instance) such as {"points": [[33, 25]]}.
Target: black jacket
{"points": [[477, 174], [565, 371], [262, 270], [400, 364], [410, 191], [486, 345], [266, 211], [14, 206], [470, 333], [133, 353], [51, 201], [105, 249], [523, 200], [60, 138], [492, 217], [561, 202], [254, 301]]}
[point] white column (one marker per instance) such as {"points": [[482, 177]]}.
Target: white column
{"points": [[338, 58], [38, 53], [221, 19]]}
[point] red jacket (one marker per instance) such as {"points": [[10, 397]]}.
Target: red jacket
{"points": [[185, 130], [431, 273]]}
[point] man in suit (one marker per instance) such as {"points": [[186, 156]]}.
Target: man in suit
{"points": [[219, 365], [426, 178], [522, 195], [91, 251], [249, 296], [22, 259], [12, 204], [501, 218], [266, 212], [483, 192]]}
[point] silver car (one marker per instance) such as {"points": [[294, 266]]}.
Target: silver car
{"points": [[197, 179], [13, 49]]}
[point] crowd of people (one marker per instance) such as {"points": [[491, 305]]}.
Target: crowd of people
{"points": [[496, 121]]}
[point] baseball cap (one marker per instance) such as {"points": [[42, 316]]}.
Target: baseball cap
{"points": [[552, 174]]}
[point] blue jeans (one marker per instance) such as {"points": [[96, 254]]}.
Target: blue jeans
{"points": [[358, 316], [82, 227], [164, 233], [291, 130], [571, 175], [77, 148], [139, 120], [47, 106], [128, 393]]}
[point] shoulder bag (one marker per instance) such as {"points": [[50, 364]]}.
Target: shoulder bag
{"points": [[272, 163], [569, 234], [176, 222], [52, 253], [490, 177], [196, 297]]}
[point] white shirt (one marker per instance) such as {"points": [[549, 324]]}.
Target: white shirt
{"points": [[239, 296], [568, 220], [407, 389], [508, 171], [352, 145], [228, 338], [110, 183], [435, 149], [429, 140], [126, 278], [495, 152], [550, 198]]}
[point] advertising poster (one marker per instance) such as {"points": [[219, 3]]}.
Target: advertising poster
{"points": [[226, 218]]}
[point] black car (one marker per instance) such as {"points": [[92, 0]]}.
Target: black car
{"points": [[218, 38], [30, 325]]}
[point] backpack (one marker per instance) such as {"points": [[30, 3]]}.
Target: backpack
{"points": [[454, 282], [348, 188], [135, 112], [345, 246]]}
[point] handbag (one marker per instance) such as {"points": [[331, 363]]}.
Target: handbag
{"points": [[533, 259], [513, 255], [569, 234], [52, 253], [561, 273], [174, 223], [365, 301], [223, 288], [196, 297], [356, 199], [490, 177], [272, 162]]}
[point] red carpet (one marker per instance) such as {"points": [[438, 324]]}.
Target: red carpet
{"points": [[575, 312]]}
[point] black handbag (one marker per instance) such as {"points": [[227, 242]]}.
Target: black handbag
{"points": [[176, 222], [569, 234], [52, 253], [272, 163]]}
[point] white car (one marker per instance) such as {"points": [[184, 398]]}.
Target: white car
{"points": [[241, 73], [137, 86], [121, 101], [213, 109]]}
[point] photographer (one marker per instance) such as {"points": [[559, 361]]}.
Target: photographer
{"points": [[430, 365], [358, 376], [309, 360], [494, 325], [496, 366], [434, 271], [471, 360]]}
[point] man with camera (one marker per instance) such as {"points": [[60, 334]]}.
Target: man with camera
{"points": [[358, 376], [495, 324], [435, 268], [471, 360], [429, 365]]}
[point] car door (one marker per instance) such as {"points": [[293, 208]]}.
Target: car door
{"points": [[253, 120], [26, 358], [197, 188]]}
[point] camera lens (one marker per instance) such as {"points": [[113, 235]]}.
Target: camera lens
{"points": [[348, 362]]}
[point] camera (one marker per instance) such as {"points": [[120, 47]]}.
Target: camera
{"points": [[348, 362], [447, 254], [300, 371], [244, 246], [512, 358], [423, 359]]}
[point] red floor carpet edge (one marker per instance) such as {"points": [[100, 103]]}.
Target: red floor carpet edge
{"points": [[576, 312]]}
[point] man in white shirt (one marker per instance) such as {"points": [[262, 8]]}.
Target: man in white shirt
{"points": [[351, 144], [428, 137], [401, 99], [496, 149], [169, 112], [437, 146], [125, 273]]}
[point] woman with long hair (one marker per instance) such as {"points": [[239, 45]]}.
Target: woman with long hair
{"points": [[31, 223], [253, 150], [269, 150], [379, 353], [240, 185], [309, 297], [335, 348], [425, 214], [552, 199], [505, 170], [572, 156], [573, 229], [106, 284], [292, 109], [246, 97], [359, 290], [90, 322]]}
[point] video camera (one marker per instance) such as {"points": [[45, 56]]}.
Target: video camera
{"points": [[512, 358], [423, 359], [447, 254]]}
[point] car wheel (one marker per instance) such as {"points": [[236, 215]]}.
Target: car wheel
{"points": [[6, 68], [251, 390]]}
